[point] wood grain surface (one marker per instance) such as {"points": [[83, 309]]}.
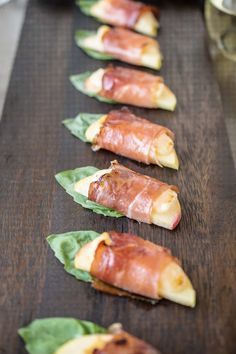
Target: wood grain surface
{"points": [[34, 146]]}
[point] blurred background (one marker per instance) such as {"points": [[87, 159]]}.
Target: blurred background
{"points": [[220, 20], [11, 20]]}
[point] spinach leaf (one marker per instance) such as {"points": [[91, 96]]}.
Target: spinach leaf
{"points": [[65, 247], [78, 82], [45, 336], [67, 179], [80, 124], [80, 36]]}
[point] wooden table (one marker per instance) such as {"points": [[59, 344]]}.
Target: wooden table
{"points": [[34, 146]]}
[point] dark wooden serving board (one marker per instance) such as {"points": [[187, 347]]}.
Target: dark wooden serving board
{"points": [[34, 146]]}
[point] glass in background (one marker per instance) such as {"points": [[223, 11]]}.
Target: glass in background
{"points": [[2, 2], [220, 18]]}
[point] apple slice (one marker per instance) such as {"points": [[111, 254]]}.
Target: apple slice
{"points": [[94, 82], [151, 57], [163, 153], [147, 24], [85, 257], [94, 129], [85, 345], [175, 286], [165, 98], [95, 41], [83, 185], [166, 210]]}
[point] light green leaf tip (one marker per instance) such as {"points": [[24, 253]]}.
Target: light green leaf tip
{"points": [[86, 5], [80, 124], [65, 247]]}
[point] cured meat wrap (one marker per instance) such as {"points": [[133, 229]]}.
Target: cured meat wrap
{"points": [[123, 264], [132, 194], [125, 13], [128, 86], [126, 134], [119, 43]]}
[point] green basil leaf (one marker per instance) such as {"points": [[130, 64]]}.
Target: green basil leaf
{"points": [[80, 36], [45, 336], [86, 5], [65, 247], [67, 180], [80, 124], [78, 82]]}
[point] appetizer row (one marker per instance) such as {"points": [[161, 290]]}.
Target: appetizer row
{"points": [[118, 43], [61, 335], [126, 134], [118, 191], [127, 86], [123, 264], [124, 13]]}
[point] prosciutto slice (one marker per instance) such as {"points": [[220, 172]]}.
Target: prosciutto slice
{"points": [[128, 192], [131, 86], [128, 135], [126, 45], [125, 13], [130, 263], [124, 343]]}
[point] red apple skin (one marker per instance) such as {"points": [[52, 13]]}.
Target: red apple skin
{"points": [[176, 222]]}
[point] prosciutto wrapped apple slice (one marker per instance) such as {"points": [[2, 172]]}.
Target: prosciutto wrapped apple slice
{"points": [[128, 86], [133, 265], [122, 44], [124, 13], [123, 264], [61, 335], [134, 195], [126, 134]]}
